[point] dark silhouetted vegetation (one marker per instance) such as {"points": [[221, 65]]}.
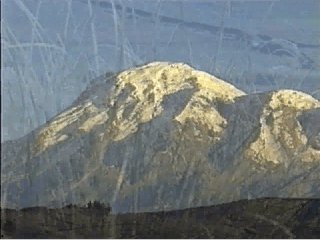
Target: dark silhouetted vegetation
{"points": [[260, 218]]}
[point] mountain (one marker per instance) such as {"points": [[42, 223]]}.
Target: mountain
{"points": [[165, 136], [258, 218], [250, 45]]}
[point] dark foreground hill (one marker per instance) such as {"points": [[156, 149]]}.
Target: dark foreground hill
{"points": [[261, 218]]}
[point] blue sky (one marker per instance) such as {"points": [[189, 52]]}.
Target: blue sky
{"points": [[52, 49]]}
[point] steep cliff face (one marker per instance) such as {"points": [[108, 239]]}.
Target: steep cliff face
{"points": [[166, 136]]}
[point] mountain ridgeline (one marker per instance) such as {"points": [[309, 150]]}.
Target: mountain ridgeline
{"points": [[165, 136]]}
